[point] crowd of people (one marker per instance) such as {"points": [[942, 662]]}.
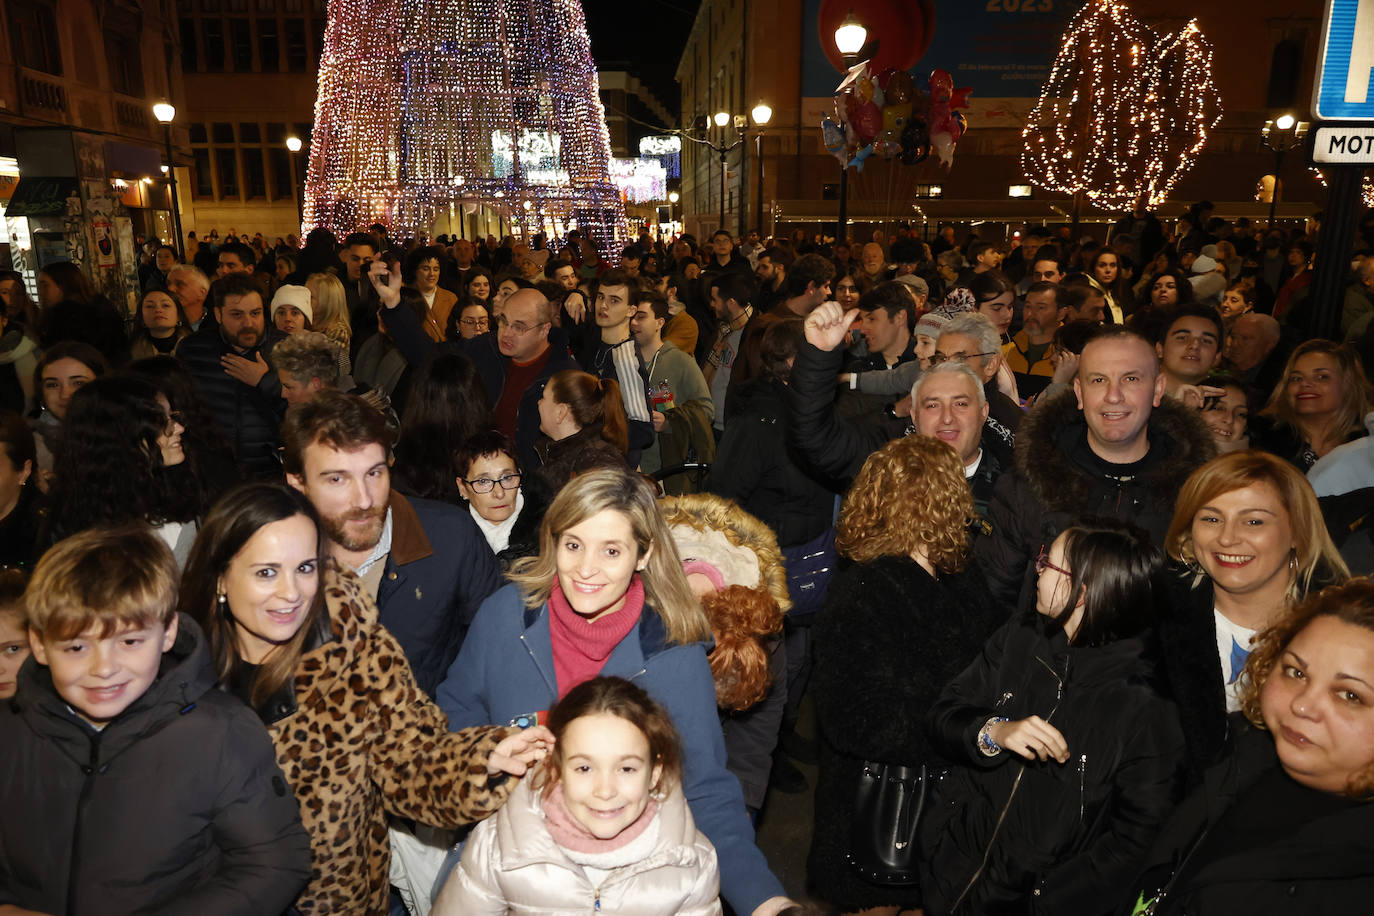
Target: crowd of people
{"points": [[336, 548]]}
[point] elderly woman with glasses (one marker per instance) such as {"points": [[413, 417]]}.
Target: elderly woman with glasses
{"points": [[506, 504]]}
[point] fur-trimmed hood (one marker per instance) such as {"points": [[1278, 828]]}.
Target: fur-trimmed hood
{"points": [[1044, 450], [693, 516]]}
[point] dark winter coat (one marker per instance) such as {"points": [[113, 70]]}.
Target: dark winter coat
{"points": [[437, 575], [1058, 838], [1056, 479], [524, 534], [249, 415], [757, 467], [410, 337], [177, 806], [834, 447], [1326, 866], [887, 640], [585, 450]]}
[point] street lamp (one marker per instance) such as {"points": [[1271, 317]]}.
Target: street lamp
{"points": [[673, 198], [293, 146], [761, 114], [165, 113], [1280, 135], [850, 38]]}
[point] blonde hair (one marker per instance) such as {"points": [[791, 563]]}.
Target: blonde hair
{"points": [[1315, 555], [1355, 389], [331, 309], [106, 578], [910, 493], [665, 587], [1351, 602]]}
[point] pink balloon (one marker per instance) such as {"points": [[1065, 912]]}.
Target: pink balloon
{"points": [[868, 121]]}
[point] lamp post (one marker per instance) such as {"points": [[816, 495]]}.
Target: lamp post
{"points": [[1280, 135], [722, 120], [293, 146], [673, 198], [165, 113], [761, 114], [849, 41]]}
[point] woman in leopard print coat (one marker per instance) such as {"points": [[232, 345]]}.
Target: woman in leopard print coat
{"points": [[299, 640]]}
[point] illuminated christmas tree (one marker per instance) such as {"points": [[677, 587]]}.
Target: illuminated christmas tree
{"points": [[1124, 112], [427, 104]]}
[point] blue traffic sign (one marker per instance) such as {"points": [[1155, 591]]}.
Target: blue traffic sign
{"points": [[1342, 90]]}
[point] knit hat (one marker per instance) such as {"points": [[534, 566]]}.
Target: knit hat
{"points": [[931, 324], [1204, 265], [918, 286], [1209, 251], [960, 299], [298, 296]]}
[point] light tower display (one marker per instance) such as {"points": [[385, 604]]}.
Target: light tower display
{"points": [[427, 105]]}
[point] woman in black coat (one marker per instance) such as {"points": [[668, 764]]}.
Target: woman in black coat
{"points": [[1284, 823], [896, 626], [1069, 755]]}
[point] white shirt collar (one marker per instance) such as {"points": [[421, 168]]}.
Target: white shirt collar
{"points": [[381, 550]]}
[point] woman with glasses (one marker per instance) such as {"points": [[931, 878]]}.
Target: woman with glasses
{"points": [[1067, 754], [506, 504], [121, 460], [472, 320]]}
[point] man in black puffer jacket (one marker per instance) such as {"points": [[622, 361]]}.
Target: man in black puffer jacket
{"points": [[1113, 447], [230, 365]]}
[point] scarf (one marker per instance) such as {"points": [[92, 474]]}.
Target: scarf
{"points": [[572, 836], [580, 646], [498, 533]]}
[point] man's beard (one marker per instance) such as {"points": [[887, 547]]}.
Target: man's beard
{"points": [[356, 538]]}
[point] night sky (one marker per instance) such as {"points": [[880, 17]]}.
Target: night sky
{"points": [[645, 37]]}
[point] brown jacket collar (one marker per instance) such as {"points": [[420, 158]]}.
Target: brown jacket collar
{"points": [[408, 540]]}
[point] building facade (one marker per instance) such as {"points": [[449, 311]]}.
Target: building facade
{"points": [[81, 154], [740, 52]]}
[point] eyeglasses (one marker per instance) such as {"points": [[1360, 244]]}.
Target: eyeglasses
{"points": [[960, 357], [518, 327], [1042, 563], [474, 322], [486, 484]]}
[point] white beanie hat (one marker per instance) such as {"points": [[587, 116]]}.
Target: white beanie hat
{"points": [[298, 296]]}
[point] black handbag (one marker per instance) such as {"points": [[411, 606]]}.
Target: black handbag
{"points": [[888, 804]]}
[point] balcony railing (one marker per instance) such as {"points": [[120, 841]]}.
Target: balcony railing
{"points": [[41, 93]]}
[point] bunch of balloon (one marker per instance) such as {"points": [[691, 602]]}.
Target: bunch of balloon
{"points": [[887, 116]]}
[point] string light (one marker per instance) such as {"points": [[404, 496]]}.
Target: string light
{"points": [[1124, 112], [423, 104], [1366, 185]]}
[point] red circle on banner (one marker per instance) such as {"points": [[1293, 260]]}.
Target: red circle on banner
{"points": [[904, 29]]}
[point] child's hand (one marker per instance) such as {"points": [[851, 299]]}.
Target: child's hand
{"points": [[516, 754], [1031, 738]]}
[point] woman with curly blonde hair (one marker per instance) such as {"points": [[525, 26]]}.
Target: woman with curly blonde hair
{"points": [[1284, 822], [897, 625]]}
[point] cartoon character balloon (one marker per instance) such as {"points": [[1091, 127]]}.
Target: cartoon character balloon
{"points": [[945, 123]]}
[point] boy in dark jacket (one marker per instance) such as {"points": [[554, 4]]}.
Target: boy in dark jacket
{"points": [[130, 784]]}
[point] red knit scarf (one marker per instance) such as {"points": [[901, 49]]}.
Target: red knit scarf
{"points": [[568, 833], [581, 646]]}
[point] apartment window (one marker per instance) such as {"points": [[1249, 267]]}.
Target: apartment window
{"points": [[209, 6], [222, 132], [237, 6], [296, 58], [125, 56], [205, 185], [279, 159], [33, 35], [317, 27], [254, 180], [241, 42], [198, 134], [190, 50], [291, 6], [249, 132], [213, 32], [269, 46], [226, 161], [267, 6], [276, 132]]}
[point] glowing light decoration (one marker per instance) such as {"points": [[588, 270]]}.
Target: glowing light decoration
{"points": [[1124, 112], [1366, 185], [424, 105], [641, 181], [667, 150]]}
